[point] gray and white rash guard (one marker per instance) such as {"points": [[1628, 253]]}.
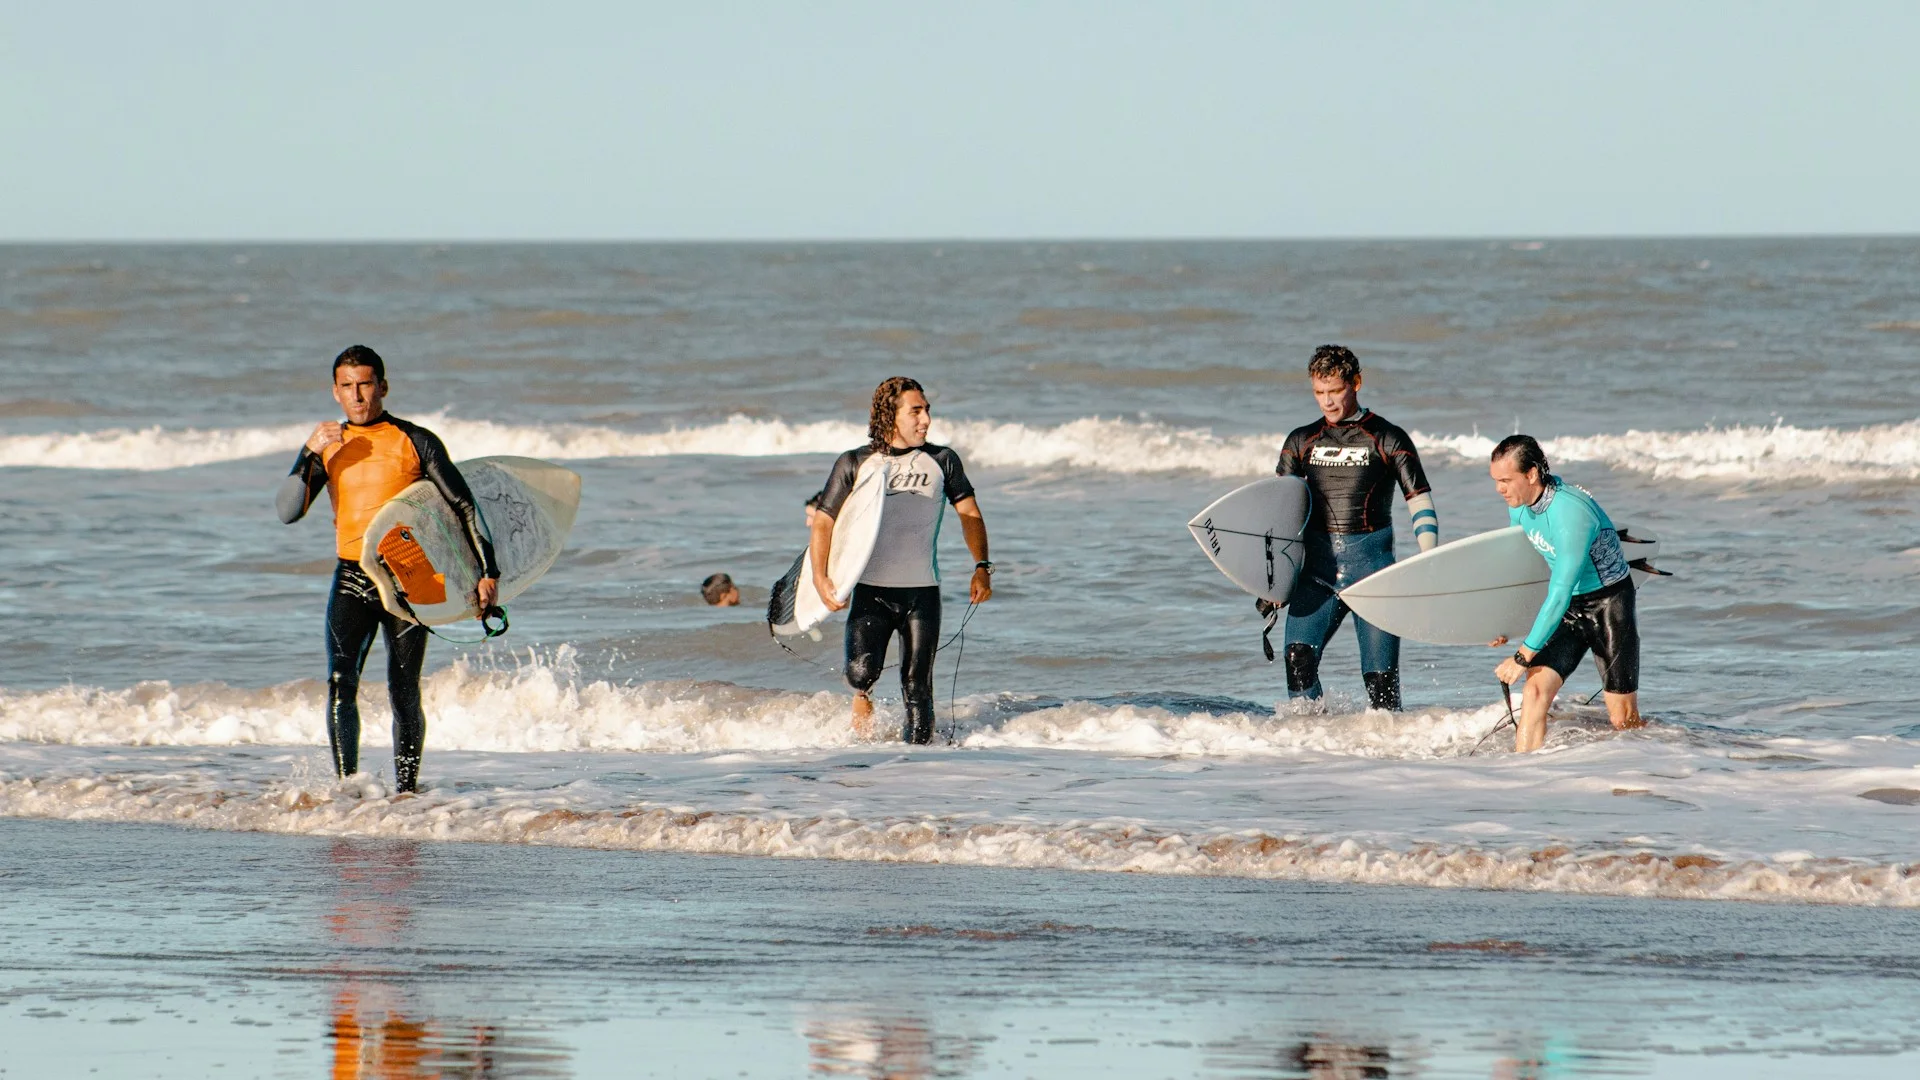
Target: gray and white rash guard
{"points": [[921, 481]]}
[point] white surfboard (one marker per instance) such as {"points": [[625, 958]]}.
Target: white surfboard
{"points": [[1473, 590], [417, 555], [795, 606], [1253, 535]]}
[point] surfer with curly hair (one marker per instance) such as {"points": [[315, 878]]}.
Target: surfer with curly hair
{"points": [[898, 595], [363, 462], [1352, 459]]}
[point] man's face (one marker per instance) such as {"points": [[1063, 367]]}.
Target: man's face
{"points": [[911, 419], [360, 393], [1516, 487], [1337, 398]]}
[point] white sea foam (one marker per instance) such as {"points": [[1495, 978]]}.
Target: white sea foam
{"points": [[1740, 454], [580, 815]]}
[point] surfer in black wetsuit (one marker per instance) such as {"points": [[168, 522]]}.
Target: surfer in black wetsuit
{"points": [[899, 593], [1352, 459], [361, 464]]}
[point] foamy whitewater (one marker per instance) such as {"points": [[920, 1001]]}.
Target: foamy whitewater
{"points": [[1752, 404]]}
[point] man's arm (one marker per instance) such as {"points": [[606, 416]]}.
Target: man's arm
{"points": [[820, 549], [309, 475], [1413, 485], [437, 466], [1572, 534], [974, 528], [833, 496]]}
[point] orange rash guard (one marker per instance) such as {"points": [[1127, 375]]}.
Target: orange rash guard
{"points": [[374, 462]]}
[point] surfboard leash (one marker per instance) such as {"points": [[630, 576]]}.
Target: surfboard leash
{"points": [[953, 688], [1505, 692]]}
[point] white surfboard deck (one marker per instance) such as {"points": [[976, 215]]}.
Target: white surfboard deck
{"points": [[527, 507], [1253, 533], [1473, 590], [795, 606]]}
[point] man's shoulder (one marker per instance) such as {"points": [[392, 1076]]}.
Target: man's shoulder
{"points": [[1306, 431], [1385, 429], [942, 454]]}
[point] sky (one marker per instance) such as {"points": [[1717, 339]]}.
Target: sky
{"points": [[574, 120]]}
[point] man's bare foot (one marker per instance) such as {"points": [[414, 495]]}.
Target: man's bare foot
{"points": [[863, 716]]}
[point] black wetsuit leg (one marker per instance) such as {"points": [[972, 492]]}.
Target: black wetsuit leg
{"points": [[354, 615], [874, 615]]}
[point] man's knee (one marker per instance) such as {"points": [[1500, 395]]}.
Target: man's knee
{"points": [[1303, 667], [862, 672], [1542, 685]]}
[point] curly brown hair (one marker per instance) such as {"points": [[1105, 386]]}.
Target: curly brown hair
{"points": [[886, 406], [1334, 360]]}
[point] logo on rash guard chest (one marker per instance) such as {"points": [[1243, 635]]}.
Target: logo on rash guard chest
{"points": [[1540, 543], [1341, 455], [910, 482]]}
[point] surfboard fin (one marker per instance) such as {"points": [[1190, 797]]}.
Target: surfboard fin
{"points": [[1646, 567]]}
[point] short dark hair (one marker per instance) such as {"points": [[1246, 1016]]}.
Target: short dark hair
{"points": [[715, 587], [361, 356], [813, 500], [1334, 360], [886, 407], [1526, 453]]}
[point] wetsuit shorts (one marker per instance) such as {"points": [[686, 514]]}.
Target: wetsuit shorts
{"points": [[874, 615], [1603, 621]]}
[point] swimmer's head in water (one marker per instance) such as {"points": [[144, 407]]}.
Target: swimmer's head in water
{"points": [[1335, 372], [360, 383], [900, 415], [1519, 470], [720, 591]]}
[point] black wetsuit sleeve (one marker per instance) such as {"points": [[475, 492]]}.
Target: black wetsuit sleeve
{"points": [[955, 473], [846, 469], [1292, 457], [301, 487], [1406, 462], [437, 466]]}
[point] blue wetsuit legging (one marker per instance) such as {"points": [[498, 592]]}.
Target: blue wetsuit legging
{"points": [[1335, 561]]}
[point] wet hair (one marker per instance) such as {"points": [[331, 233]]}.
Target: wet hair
{"points": [[1526, 453], [1334, 360], [715, 587], [361, 356], [886, 406]]}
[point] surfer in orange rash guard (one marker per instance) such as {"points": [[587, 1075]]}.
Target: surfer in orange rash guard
{"points": [[362, 463]]}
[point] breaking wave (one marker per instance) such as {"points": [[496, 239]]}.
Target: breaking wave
{"points": [[1779, 452], [572, 816], [541, 705]]}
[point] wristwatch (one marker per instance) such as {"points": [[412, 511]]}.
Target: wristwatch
{"points": [[1521, 660], [984, 564]]}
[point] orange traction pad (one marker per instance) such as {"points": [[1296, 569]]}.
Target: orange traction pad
{"points": [[411, 567]]}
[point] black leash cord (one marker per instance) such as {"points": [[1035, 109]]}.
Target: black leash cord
{"points": [[953, 690], [1506, 692]]}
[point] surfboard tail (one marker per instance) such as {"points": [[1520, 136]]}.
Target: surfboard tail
{"points": [[784, 600]]}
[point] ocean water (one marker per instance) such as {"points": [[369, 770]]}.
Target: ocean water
{"points": [[1754, 403]]}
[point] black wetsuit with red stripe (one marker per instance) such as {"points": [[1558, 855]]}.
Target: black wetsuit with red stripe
{"points": [[1353, 467]]}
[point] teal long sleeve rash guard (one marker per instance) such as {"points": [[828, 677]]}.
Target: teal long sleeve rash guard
{"points": [[1581, 546]]}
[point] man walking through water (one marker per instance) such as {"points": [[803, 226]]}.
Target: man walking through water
{"points": [[1590, 593], [362, 463], [899, 593], [1351, 458]]}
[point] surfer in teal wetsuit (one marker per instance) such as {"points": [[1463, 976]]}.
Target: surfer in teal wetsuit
{"points": [[1590, 593], [1353, 460]]}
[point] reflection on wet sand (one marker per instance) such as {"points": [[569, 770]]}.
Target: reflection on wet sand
{"points": [[882, 1045], [379, 1026]]}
